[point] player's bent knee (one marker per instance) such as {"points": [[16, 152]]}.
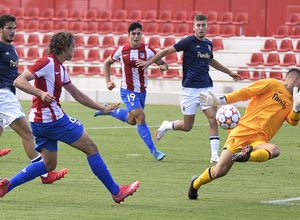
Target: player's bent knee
{"points": [[275, 152], [219, 172], [91, 150]]}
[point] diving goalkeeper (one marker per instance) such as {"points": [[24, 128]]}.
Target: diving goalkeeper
{"points": [[272, 103]]}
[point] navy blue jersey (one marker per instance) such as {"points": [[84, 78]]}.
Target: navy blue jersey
{"points": [[195, 66], [9, 62]]}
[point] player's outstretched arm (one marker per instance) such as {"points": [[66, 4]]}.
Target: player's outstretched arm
{"points": [[107, 68], [211, 99], [218, 66], [158, 56], [22, 82], [87, 101]]}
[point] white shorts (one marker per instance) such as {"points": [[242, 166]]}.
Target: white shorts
{"points": [[10, 108], [190, 102]]}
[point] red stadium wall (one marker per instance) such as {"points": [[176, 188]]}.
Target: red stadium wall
{"points": [[130, 5], [206, 6], [278, 12], [265, 16], [256, 10], [176, 5]]}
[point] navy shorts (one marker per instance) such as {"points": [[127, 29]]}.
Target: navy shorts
{"points": [[133, 100], [66, 129]]}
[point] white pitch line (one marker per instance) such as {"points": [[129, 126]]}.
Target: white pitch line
{"points": [[134, 155], [118, 127], [283, 201], [153, 126]]}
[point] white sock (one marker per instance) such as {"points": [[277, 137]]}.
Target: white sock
{"points": [[169, 125], [214, 145]]}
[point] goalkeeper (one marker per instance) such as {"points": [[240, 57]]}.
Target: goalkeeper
{"points": [[272, 103]]}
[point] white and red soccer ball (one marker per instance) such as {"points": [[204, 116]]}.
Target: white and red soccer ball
{"points": [[228, 117]]}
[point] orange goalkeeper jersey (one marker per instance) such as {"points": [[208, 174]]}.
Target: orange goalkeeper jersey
{"points": [[271, 104]]}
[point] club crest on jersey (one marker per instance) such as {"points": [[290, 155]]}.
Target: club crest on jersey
{"points": [[7, 53], [142, 55]]}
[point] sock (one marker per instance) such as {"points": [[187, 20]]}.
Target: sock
{"points": [[145, 134], [169, 125], [260, 155], [100, 169], [214, 145], [30, 172], [206, 177], [39, 158], [120, 114]]}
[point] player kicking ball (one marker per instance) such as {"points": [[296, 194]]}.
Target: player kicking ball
{"points": [[50, 124]]}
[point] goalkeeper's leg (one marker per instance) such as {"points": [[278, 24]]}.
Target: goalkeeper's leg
{"points": [[263, 152], [220, 170]]}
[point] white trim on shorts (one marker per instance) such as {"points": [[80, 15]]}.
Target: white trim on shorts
{"points": [[190, 102], [10, 108]]}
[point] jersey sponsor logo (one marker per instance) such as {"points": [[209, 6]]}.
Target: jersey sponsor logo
{"points": [[57, 72], [280, 102], [201, 55]]}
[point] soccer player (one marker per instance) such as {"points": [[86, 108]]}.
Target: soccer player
{"points": [[50, 124], [197, 57], [134, 83], [11, 113], [272, 103]]}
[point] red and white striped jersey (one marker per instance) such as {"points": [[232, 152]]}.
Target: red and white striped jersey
{"points": [[50, 76], [133, 78]]}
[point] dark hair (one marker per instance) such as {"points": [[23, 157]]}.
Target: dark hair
{"points": [[134, 25], [293, 70], [60, 42], [5, 19], [200, 17]]}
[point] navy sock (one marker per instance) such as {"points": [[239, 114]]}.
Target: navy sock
{"points": [[145, 134], [120, 114], [100, 169], [30, 172]]}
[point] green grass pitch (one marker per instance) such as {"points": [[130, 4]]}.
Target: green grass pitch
{"points": [[163, 184]]}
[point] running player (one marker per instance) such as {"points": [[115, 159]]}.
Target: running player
{"points": [[11, 113], [134, 83], [197, 57], [50, 124]]}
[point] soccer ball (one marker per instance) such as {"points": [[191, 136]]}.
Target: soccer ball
{"points": [[228, 117]]}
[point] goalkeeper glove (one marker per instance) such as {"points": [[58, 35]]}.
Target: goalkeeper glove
{"points": [[296, 96], [211, 99]]}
